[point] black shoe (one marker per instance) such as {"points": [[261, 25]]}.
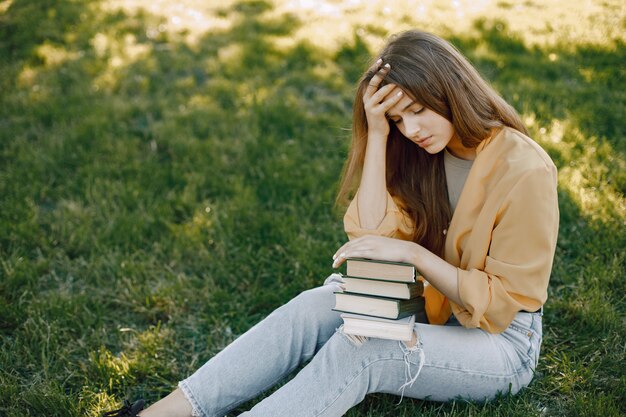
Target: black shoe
{"points": [[129, 410]]}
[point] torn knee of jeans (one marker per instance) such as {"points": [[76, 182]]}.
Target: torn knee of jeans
{"points": [[408, 348], [354, 339], [411, 344]]}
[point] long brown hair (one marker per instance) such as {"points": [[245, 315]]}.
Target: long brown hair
{"points": [[440, 78]]}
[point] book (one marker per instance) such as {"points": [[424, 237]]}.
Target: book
{"points": [[380, 270], [401, 290], [380, 299], [370, 305], [359, 325]]}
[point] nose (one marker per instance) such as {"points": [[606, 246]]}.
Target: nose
{"points": [[412, 126]]}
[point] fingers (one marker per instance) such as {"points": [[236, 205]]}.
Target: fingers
{"points": [[351, 252], [342, 249], [388, 99], [375, 247], [340, 256], [380, 99], [339, 253], [382, 92], [338, 261], [371, 101], [376, 65], [374, 83], [383, 101], [350, 249]]}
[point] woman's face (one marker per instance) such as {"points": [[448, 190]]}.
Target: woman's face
{"points": [[425, 128]]}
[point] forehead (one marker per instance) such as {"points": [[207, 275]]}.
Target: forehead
{"points": [[400, 106]]}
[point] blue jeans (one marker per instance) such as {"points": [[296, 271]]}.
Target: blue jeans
{"points": [[449, 362]]}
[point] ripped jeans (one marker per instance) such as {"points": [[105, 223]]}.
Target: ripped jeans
{"points": [[449, 362]]}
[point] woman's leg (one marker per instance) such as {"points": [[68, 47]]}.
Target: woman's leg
{"points": [[174, 405], [258, 359], [475, 365], [454, 362]]}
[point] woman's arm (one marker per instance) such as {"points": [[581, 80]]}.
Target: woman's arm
{"points": [[372, 196]]}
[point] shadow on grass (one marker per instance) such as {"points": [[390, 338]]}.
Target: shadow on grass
{"points": [[582, 82], [161, 202]]}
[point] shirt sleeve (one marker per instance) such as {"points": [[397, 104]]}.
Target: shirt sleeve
{"points": [[396, 223], [518, 265]]}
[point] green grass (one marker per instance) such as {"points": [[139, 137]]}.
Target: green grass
{"points": [[165, 184]]}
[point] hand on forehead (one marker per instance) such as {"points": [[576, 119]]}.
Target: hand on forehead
{"points": [[406, 101]]}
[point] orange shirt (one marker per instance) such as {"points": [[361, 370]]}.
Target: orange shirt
{"points": [[502, 236]]}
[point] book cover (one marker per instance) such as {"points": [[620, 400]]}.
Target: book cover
{"points": [[358, 325], [370, 305], [380, 270], [392, 289]]}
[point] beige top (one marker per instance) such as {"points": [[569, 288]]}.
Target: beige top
{"points": [[457, 170], [502, 236]]}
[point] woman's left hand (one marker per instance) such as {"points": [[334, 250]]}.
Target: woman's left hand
{"points": [[378, 248]]}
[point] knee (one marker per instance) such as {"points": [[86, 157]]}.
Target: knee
{"points": [[319, 298], [315, 304]]}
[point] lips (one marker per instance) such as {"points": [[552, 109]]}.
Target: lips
{"points": [[423, 140]]}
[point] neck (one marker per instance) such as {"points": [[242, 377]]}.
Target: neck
{"points": [[456, 148]]}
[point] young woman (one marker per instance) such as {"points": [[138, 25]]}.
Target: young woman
{"points": [[448, 181]]}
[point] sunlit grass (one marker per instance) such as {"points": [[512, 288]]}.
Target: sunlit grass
{"points": [[329, 23], [585, 177], [168, 169]]}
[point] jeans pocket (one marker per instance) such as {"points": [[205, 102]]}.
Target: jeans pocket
{"points": [[522, 338], [537, 338], [527, 332]]}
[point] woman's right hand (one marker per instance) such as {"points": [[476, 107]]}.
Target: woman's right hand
{"points": [[377, 101]]}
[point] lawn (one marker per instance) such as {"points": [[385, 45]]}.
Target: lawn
{"points": [[168, 172]]}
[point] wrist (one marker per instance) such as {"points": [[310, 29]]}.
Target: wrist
{"points": [[379, 138], [415, 257]]}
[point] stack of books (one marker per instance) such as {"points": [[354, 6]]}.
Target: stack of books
{"points": [[380, 299]]}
